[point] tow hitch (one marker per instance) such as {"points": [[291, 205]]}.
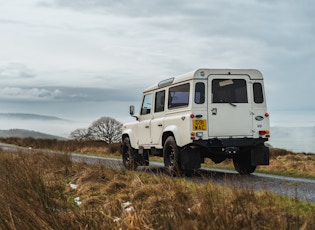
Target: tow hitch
{"points": [[231, 150]]}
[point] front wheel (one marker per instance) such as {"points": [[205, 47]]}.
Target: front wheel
{"points": [[242, 163], [171, 156], [128, 154]]}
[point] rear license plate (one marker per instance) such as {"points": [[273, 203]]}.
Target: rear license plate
{"points": [[199, 124]]}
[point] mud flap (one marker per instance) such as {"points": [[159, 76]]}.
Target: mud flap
{"points": [[190, 159], [260, 155]]}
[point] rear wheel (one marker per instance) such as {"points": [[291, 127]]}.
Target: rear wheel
{"points": [[128, 155], [242, 163], [171, 156]]}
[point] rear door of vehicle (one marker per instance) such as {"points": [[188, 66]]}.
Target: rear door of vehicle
{"points": [[229, 106]]}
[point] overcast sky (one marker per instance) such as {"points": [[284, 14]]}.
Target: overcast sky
{"points": [[80, 59]]}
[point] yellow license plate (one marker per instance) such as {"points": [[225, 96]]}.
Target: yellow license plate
{"points": [[199, 125]]}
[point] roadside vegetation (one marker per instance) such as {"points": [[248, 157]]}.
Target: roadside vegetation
{"points": [[48, 191], [282, 162]]}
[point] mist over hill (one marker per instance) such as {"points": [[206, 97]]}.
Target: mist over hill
{"points": [[28, 116], [51, 125], [22, 133], [297, 139]]}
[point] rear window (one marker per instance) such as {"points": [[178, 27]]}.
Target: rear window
{"points": [[258, 93], [229, 91], [178, 96]]}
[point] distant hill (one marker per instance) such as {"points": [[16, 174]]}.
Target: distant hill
{"points": [[28, 116], [22, 133]]}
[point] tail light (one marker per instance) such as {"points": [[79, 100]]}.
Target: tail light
{"points": [[264, 132]]}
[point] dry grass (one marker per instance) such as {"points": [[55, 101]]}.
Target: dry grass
{"points": [[32, 193], [295, 163], [35, 194]]}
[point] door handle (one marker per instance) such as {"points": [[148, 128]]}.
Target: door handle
{"points": [[146, 126], [160, 125], [214, 111]]}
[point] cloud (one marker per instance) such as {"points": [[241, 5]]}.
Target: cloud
{"points": [[15, 71], [81, 94], [65, 94], [100, 51], [133, 8], [31, 94]]}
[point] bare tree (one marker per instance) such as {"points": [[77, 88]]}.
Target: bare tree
{"points": [[105, 129], [80, 134]]}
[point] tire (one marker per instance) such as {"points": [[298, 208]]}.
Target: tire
{"points": [[128, 155], [171, 157], [242, 163]]}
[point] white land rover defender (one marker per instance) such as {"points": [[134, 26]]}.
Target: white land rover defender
{"points": [[214, 113]]}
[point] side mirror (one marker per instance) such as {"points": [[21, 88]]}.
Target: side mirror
{"points": [[132, 110]]}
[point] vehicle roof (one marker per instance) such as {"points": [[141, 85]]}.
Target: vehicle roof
{"points": [[203, 74]]}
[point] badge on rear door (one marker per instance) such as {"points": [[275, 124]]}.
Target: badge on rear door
{"points": [[259, 118]]}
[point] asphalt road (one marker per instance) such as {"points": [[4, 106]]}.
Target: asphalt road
{"points": [[298, 188]]}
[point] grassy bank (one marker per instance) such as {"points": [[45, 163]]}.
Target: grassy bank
{"points": [[36, 194]]}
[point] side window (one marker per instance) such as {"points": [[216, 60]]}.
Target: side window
{"points": [[200, 93], [258, 93], [178, 96], [159, 101], [229, 91], [146, 104]]}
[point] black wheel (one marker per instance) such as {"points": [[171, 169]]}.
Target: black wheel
{"points": [[242, 163], [171, 156], [128, 154]]}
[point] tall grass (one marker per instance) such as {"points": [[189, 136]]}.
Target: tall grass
{"points": [[35, 194], [32, 191]]}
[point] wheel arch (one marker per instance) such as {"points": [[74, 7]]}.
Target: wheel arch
{"points": [[132, 138], [171, 131], [165, 136]]}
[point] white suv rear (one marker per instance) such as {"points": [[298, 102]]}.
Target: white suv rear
{"points": [[214, 113]]}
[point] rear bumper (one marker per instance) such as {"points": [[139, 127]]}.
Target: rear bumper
{"points": [[230, 147], [230, 142]]}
